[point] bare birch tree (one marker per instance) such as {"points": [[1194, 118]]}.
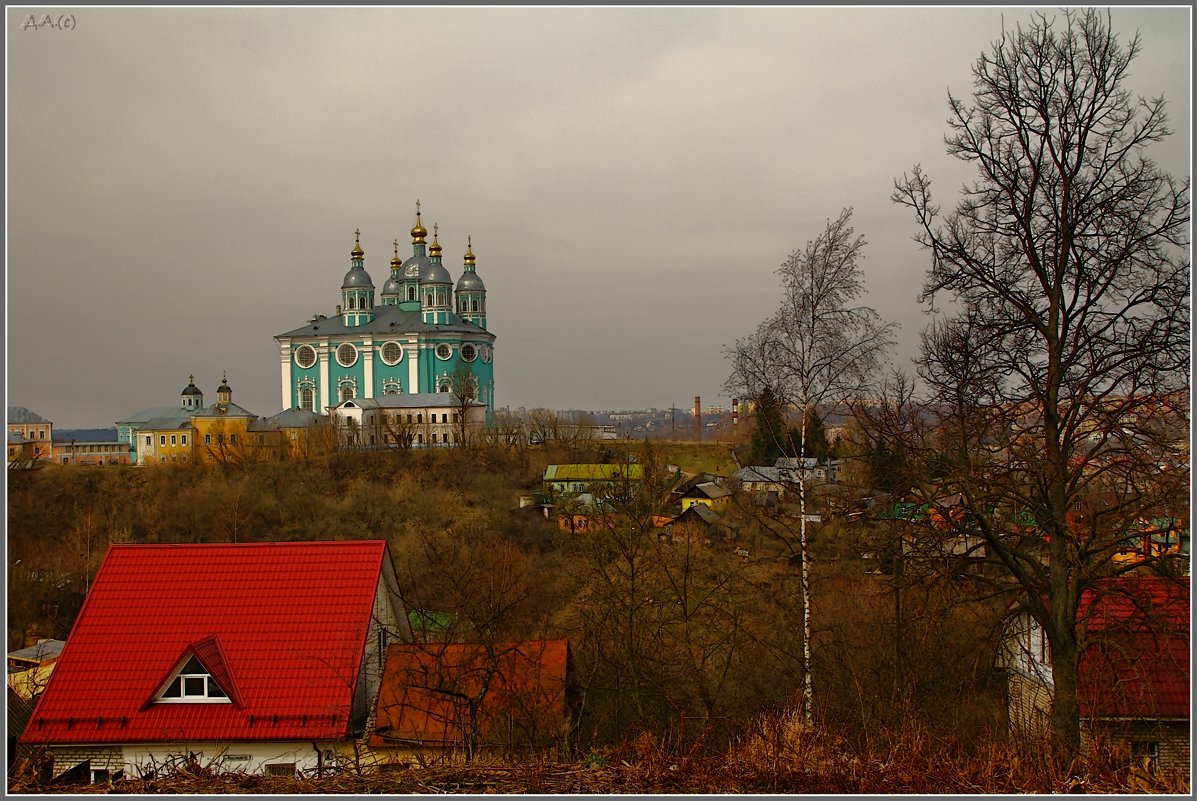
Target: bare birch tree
{"points": [[820, 349], [1066, 259]]}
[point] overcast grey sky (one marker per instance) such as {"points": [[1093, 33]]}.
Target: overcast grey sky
{"points": [[184, 184]]}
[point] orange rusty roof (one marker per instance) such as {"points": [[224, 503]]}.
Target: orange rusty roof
{"points": [[426, 691], [1136, 663]]}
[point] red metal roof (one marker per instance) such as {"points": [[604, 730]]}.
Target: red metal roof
{"points": [[290, 620], [422, 700], [1136, 660]]}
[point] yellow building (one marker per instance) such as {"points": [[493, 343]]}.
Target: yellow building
{"points": [[707, 494], [166, 440], [225, 433]]}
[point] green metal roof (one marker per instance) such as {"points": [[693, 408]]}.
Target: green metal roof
{"points": [[593, 472], [430, 621]]}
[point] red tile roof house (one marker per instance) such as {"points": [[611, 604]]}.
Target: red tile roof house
{"points": [[1133, 675], [261, 658]]}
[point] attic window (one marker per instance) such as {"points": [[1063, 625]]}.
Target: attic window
{"points": [[191, 684]]}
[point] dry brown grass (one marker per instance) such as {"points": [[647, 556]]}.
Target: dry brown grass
{"points": [[777, 754]]}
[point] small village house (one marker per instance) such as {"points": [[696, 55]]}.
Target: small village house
{"points": [[261, 658], [567, 479], [1133, 676], [29, 668], [709, 494]]}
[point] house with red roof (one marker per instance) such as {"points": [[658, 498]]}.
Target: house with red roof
{"points": [[449, 698], [256, 658], [1133, 674]]}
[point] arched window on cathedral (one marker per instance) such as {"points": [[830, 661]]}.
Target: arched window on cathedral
{"points": [[475, 305], [307, 399], [428, 300], [346, 393], [352, 302], [411, 293]]}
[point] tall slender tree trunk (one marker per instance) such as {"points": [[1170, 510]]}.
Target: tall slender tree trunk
{"points": [[807, 679]]}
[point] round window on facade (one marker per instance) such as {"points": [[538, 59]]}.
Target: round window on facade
{"points": [[346, 355], [392, 352], [305, 356], [443, 352], [468, 353]]}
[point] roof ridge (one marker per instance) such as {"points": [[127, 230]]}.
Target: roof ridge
{"points": [[266, 544]]}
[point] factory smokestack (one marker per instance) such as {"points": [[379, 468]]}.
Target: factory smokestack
{"points": [[698, 418]]}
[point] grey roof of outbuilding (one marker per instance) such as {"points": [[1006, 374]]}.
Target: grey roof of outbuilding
{"points": [[294, 418], [149, 414], [177, 419], [705, 512], [413, 400], [708, 489], [387, 320], [46, 649], [19, 414], [16, 439], [19, 713], [758, 474]]}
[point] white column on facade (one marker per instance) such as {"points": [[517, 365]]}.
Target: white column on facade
{"points": [[284, 348], [367, 366], [413, 365], [324, 379]]}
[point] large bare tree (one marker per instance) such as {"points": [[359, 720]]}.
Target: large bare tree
{"points": [[820, 349], [1056, 365]]}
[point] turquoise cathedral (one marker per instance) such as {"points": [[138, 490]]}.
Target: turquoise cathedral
{"points": [[419, 335]]}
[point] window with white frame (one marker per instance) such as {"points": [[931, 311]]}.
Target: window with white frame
{"points": [[391, 352], [346, 354], [305, 356], [443, 352], [307, 398], [193, 683]]}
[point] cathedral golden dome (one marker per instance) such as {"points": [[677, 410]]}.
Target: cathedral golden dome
{"points": [[418, 231]]}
